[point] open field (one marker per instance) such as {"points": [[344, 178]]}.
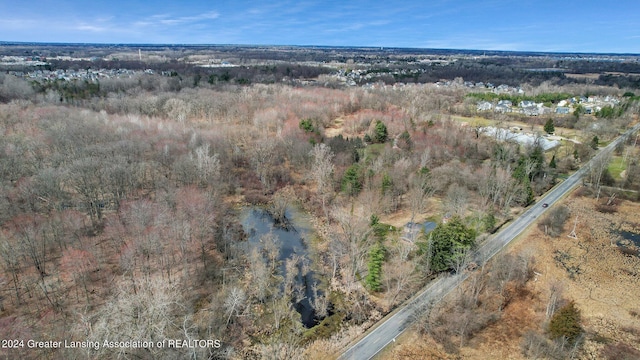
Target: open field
{"points": [[589, 269]]}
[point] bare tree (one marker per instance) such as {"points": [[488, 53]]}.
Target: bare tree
{"points": [[355, 231], [79, 264], [322, 171], [234, 303], [259, 274], [555, 299], [11, 256], [597, 169], [86, 177], [320, 301], [497, 186], [263, 158], [398, 278], [279, 204], [148, 313], [271, 247], [400, 181], [208, 166], [420, 190], [457, 199]]}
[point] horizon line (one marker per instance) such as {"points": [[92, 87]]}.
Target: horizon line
{"points": [[367, 47]]}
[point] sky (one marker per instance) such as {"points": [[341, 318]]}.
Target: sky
{"points": [[587, 26]]}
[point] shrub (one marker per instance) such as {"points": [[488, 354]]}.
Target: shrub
{"points": [[566, 323], [553, 223], [307, 125]]}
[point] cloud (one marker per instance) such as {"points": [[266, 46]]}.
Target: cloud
{"points": [[168, 20], [92, 28], [355, 26], [17, 24]]}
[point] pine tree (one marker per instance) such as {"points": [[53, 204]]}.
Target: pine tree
{"points": [[450, 241], [380, 135], [374, 276], [566, 323], [352, 180], [549, 128]]}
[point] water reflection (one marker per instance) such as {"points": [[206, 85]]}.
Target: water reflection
{"points": [[288, 242]]}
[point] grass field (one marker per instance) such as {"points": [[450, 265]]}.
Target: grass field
{"points": [[616, 167], [476, 120]]}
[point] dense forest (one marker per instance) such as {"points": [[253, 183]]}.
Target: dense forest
{"points": [[123, 202]]}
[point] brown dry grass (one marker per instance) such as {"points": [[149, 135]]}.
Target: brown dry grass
{"points": [[606, 289], [591, 76]]}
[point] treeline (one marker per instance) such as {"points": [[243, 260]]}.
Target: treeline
{"points": [[467, 69], [254, 73], [595, 66], [622, 81]]}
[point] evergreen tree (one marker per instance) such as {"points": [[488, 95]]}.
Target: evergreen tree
{"points": [[537, 155], [380, 133], [528, 192], [374, 276], [352, 180], [404, 141], [549, 128], [450, 241], [387, 183], [566, 323]]}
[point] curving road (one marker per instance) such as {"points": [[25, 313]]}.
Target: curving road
{"points": [[392, 326]]}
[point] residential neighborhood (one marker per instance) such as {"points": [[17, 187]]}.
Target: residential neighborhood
{"points": [[590, 105]]}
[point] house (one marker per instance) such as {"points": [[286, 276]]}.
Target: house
{"points": [[527, 103], [562, 110], [502, 108], [484, 106], [531, 111], [611, 100], [507, 103]]}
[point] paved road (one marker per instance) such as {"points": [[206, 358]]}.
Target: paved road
{"points": [[387, 331]]}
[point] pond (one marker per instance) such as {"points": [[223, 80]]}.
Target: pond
{"points": [[632, 237], [293, 239], [412, 231], [630, 242]]}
